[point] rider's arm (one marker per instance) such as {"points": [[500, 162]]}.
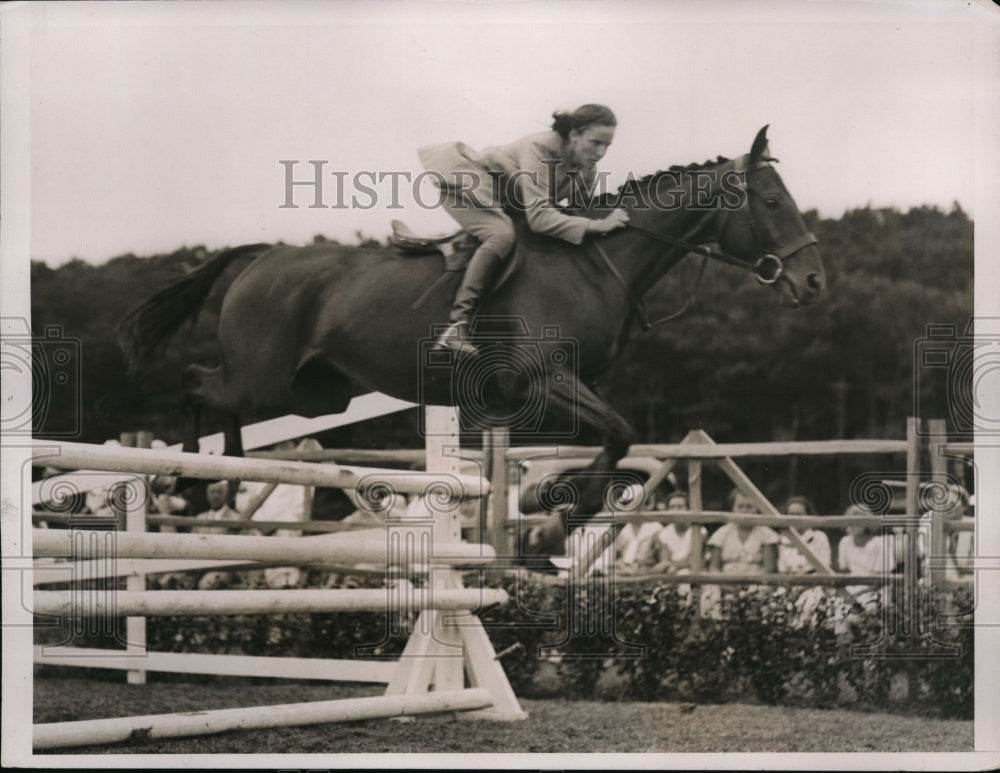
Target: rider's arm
{"points": [[538, 182]]}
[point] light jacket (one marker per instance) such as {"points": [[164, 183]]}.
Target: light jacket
{"points": [[536, 164]]}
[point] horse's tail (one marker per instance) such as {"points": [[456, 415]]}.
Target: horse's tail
{"points": [[147, 327]]}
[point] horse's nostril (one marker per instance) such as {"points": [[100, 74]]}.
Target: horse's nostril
{"points": [[814, 282]]}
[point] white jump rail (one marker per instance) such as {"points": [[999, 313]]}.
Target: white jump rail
{"points": [[143, 461], [262, 602], [118, 729], [323, 669], [83, 544]]}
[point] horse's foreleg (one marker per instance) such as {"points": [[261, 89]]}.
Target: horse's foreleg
{"points": [[590, 488]]}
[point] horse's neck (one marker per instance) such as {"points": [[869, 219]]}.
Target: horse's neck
{"points": [[642, 258]]}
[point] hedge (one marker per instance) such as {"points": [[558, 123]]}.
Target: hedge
{"points": [[642, 641]]}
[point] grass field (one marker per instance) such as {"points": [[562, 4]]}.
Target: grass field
{"points": [[553, 726]]}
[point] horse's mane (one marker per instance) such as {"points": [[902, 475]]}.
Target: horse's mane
{"points": [[641, 186]]}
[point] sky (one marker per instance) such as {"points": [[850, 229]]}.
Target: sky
{"points": [[154, 126]]}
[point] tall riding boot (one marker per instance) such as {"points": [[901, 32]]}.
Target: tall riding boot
{"points": [[479, 276]]}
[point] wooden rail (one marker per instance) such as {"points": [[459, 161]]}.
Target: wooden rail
{"points": [[723, 450], [210, 467]]}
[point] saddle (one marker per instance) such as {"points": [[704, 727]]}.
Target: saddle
{"points": [[457, 249]]}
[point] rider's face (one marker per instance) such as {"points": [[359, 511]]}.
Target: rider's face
{"points": [[588, 146]]}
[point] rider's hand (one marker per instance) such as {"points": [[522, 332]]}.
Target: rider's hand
{"points": [[617, 219]]}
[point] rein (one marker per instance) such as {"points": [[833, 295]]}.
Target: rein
{"points": [[638, 304]]}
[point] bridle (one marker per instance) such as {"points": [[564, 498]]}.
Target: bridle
{"points": [[767, 269]]}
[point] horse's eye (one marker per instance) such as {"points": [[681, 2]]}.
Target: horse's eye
{"points": [[771, 201]]}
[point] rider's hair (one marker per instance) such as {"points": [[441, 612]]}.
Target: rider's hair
{"points": [[581, 118]]}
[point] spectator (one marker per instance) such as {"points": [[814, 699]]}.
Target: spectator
{"points": [[99, 503], [790, 559], [635, 551], [217, 494], [862, 552], [163, 500], [675, 543], [65, 500], [737, 548], [100, 512]]}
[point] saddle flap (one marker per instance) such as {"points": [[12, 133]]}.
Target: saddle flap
{"points": [[456, 248]]}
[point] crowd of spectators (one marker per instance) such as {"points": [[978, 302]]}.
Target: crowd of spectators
{"points": [[739, 548]]}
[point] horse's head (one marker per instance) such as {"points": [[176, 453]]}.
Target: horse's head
{"points": [[767, 231]]}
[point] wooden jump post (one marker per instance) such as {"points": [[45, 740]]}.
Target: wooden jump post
{"points": [[448, 665]]}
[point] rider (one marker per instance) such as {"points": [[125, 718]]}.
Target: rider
{"points": [[534, 172]]}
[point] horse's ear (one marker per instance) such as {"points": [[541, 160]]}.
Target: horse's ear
{"points": [[759, 149]]}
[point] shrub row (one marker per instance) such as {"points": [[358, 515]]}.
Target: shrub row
{"points": [[648, 641], [790, 646]]}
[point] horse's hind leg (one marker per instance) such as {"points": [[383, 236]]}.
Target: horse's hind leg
{"points": [[191, 411], [208, 387], [233, 435]]}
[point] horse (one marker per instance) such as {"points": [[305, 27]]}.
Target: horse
{"points": [[301, 328]]}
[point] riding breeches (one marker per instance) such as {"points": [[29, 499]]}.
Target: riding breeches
{"points": [[489, 224], [495, 231]]}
